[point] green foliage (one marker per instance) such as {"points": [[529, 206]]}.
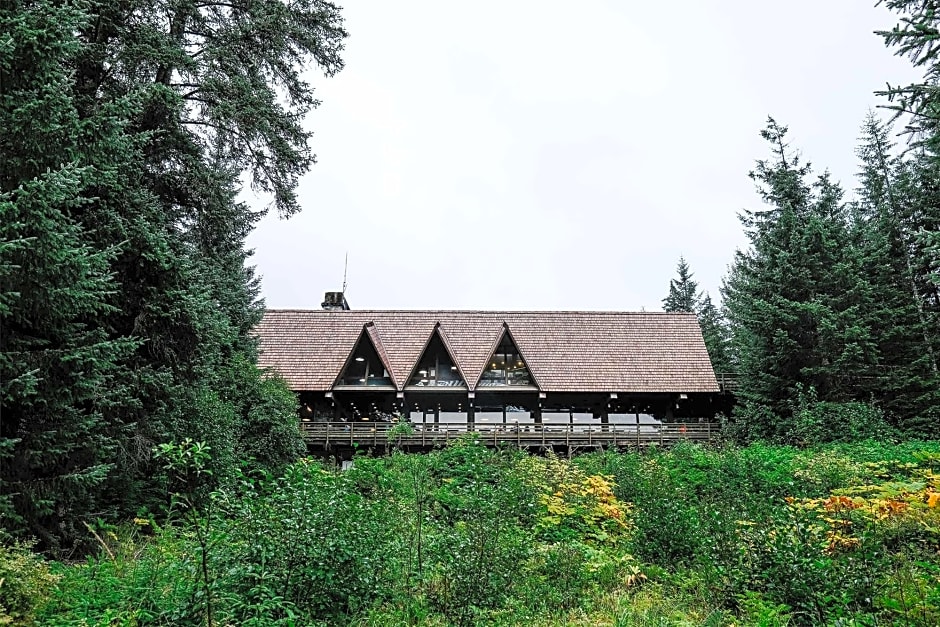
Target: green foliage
{"points": [[61, 374], [816, 422], [126, 303], [683, 294], [310, 539], [792, 296], [761, 535], [26, 582]]}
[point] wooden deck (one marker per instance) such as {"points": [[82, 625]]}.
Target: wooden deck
{"points": [[341, 435]]}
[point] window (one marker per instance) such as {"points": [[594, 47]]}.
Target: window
{"points": [[506, 366], [365, 367], [436, 368]]}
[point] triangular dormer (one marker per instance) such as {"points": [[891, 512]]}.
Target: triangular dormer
{"points": [[506, 366], [367, 364], [437, 367]]}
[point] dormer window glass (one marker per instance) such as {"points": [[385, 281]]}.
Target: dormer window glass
{"points": [[506, 367], [436, 368]]}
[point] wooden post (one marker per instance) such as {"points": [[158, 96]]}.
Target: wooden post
{"points": [[327, 444]]}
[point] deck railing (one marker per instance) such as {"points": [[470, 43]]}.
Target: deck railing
{"points": [[728, 381], [377, 434]]}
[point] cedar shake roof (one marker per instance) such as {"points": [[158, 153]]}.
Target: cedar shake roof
{"points": [[565, 351]]}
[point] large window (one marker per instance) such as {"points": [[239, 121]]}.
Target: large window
{"points": [[365, 367], [436, 368], [506, 366]]}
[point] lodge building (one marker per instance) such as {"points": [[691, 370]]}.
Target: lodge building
{"points": [[479, 368]]}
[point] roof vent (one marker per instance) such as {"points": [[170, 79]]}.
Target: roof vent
{"points": [[335, 301]]}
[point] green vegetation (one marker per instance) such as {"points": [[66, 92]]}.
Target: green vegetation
{"points": [[762, 535], [137, 430], [126, 305]]}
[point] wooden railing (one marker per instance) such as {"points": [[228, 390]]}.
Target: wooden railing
{"points": [[728, 381], [379, 434]]}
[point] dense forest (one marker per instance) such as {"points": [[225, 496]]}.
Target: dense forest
{"points": [[150, 473]]}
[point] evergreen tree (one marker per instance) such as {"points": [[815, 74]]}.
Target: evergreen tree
{"points": [[904, 379], [715, 334], [684, 294], [917, 201], [127, 127], [790, 296], [61, 375]]}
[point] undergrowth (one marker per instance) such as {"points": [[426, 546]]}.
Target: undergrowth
{"points": [[844, 534]]}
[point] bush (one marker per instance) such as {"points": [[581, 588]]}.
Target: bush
{"points": [[26, 582], [818, 422]]}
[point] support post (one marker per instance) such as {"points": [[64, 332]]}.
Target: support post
{"points": [[638, 431]]}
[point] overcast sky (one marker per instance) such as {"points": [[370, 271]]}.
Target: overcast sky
{"points": [[549, 155]]}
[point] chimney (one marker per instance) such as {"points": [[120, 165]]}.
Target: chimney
{"points": [[335, 301]]}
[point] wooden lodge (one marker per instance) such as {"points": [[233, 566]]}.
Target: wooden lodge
{"points": [[548, 379]]}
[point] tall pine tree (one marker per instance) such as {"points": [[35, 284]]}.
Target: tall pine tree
{"points": [[61, 373], [151, 112], [789, 296], [683, 294], [903, 381]]}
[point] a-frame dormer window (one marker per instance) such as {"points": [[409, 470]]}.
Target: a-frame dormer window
{"points": [[436, 367], [364, 366], [506, 366]]}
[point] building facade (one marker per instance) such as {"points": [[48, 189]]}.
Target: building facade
{"points": [[491, 367]]}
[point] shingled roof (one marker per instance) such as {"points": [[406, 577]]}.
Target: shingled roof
{"points": [[566, 351]]}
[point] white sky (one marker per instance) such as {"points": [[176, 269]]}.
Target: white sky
{"points": [[560, 155]]}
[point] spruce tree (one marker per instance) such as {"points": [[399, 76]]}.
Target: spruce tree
{"points": [[127, 129], [715, 334], [918, 182], [683, 290], [789, 297], [61, 374], [903, 380]]}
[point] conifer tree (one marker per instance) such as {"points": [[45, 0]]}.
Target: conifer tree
{"points": [[789, 296], [683, 290], [903, 380], [684, 296], [127, 128], [61, 374], [715, 334], [918, 183]]}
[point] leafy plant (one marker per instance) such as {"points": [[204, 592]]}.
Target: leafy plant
{"points": [[26, 583]]}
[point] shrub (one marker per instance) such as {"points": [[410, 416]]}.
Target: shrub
{"points": [[817, 422], [26, 582]]}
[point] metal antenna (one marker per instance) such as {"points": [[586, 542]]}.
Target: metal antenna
{"points": [[345, 268]]}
